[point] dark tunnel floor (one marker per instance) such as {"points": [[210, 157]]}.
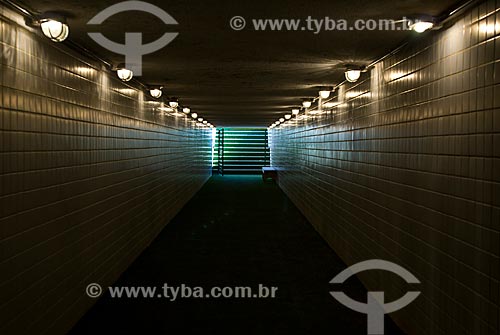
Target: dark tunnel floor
{"points": [[237, 231]]}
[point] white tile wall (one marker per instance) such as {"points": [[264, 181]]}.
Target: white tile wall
{"points": [[406, 168], [89, 174]]}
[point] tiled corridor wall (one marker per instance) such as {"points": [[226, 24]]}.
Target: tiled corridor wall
{"points": [[90, 172], [406, 167]]}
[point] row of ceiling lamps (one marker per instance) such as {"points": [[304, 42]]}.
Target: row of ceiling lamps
{"points": [[156, 92], [352, 73], [55, 27]]}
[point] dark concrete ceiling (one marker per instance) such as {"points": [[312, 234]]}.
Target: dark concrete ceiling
{"points": [[244, 78]]}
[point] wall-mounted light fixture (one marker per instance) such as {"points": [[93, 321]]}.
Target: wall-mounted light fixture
{"points": [[307, 103], [282, 120], [423, 23], [173, 102], [325, 92], [295, 111], [155, 92], [54, 26], [352, 74], [123, 73], [200, 119], [194, 115], [186, 110], [288, 116]]}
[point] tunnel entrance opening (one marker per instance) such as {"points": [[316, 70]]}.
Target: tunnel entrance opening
{"points": [[241, 151]]}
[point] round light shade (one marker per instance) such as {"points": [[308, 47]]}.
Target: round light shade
{"points": [[194, 115], [155, 93], [277, 123], [307, 103], [296, 111], [173, 103], [186, 110], [282, 120], [288, 116], [324, 94], [422, 26], [124, 74], [200, 119], [205, 121], [352, 76], [55, 30]]}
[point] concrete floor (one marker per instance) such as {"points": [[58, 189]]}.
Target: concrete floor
{"points": [[237, 231]]}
